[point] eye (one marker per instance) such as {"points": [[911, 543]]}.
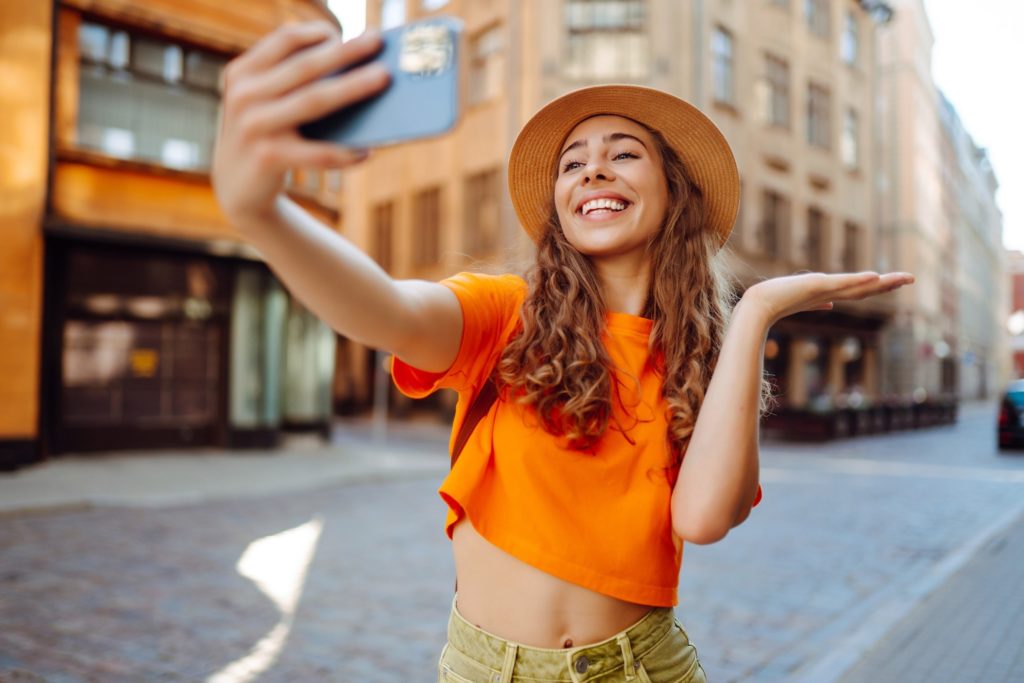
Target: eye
{"points": [[628, 155], [570, 166]]}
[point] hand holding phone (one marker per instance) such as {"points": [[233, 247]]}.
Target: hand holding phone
{"points": [[268, 92], [423, 99]]}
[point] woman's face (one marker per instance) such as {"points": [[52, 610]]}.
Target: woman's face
{"points": [[610, 193]]}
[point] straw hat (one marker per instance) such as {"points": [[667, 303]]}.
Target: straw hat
{"points": [[697, 141]]}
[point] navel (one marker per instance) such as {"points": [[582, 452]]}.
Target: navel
{"points": [[567, 643]]}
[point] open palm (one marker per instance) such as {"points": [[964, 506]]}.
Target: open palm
{"points": [[779, 297]]}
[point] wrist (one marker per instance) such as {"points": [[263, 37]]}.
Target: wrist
{"points": [[253, 221], [751, 311]]}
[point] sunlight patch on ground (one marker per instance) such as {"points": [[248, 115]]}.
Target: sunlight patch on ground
{"points": [[277, 565]]}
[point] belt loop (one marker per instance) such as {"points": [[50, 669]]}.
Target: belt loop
{"points": [[510, 662], [627, 657]]}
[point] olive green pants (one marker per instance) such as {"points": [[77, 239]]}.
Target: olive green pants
{"points": [[656, 649]]}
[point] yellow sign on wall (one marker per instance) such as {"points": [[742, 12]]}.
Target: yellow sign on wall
{"points": [[144, 362]]}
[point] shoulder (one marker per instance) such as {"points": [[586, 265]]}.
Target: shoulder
{"points": [[508, 288]]}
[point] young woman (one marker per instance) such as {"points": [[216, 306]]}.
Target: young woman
{"points": [[571, 500]]}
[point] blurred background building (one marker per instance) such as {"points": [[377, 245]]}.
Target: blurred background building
{"points": [[132, 315], [849, 156]]}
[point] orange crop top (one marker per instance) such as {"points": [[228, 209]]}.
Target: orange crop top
{"points": [[600, 519]]}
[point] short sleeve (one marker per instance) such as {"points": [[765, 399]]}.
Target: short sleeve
{"points": [[490, 310]]}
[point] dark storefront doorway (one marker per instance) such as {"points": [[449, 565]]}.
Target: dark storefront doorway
{"points": [[139, 341]]}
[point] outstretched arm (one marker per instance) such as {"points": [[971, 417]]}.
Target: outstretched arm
{"points": [[269, 91], [719, 474]]}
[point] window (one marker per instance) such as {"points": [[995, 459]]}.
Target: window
{"points": [[777, 77], [392, 13], [486, 66], [483, 218], [815, 244], [818, 116], [849, 47], [141, 98], [817, 14], [722, 64], [851, 247], [774, 228], [849, 145], [606, 39], [427, 227], [431, 5], [382, 233]]}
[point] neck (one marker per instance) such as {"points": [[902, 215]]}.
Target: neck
{"points": [[624, 285]]}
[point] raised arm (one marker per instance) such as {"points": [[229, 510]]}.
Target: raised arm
{"points": [[718, 478], [268, 92]]}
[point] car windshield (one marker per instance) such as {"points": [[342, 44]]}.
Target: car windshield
{"points": [[1016, 398]]}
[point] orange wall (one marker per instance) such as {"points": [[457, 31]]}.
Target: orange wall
{"points": [[137, 201], [25, 65]]}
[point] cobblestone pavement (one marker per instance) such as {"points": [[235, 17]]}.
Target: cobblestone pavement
{"points": [[353, 582]]}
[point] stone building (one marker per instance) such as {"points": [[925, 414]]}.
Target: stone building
{"points": [[980, 356]]}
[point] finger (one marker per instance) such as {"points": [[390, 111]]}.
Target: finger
{"points": [[315, 63], [277, 45], [317, 100], [307, 154], [884, 283]]}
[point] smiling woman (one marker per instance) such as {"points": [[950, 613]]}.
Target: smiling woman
{"points": [[608, 402]]}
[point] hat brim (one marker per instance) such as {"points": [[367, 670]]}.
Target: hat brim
{"points": [[694, 137]]}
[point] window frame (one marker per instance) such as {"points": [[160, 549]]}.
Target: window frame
{"points": [[778, 82], [723, 64], [819, 115]]}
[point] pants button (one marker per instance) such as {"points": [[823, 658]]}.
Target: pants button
{"points": [[582, 664]]}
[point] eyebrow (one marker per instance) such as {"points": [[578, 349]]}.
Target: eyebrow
{"points": [[607, 138]]}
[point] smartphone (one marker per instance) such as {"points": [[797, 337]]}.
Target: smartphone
{"points": [[423, 99]]}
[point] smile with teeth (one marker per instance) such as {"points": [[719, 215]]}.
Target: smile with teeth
{"points": [[603, 205]]}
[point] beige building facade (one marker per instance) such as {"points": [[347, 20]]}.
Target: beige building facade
{"points": [[790, 84]]}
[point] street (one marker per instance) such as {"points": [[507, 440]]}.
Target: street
{"points": [[352, 582]]}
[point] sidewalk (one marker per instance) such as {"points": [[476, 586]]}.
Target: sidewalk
{"points": [[159, 478], [968, 630]]}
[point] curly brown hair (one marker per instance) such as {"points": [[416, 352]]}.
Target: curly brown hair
{"points": [[557, 363]]}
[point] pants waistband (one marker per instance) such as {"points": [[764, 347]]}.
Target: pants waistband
{"points": [[584, 661]]}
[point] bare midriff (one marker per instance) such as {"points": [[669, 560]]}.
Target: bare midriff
{"points": [[516, 601]]}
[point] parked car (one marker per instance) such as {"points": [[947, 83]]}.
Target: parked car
{"points": [[1011, 416]]}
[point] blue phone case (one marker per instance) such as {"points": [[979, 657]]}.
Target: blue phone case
{"points": [[422, 99]]}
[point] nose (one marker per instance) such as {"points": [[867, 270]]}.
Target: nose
{"points": [[596, 169]]}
